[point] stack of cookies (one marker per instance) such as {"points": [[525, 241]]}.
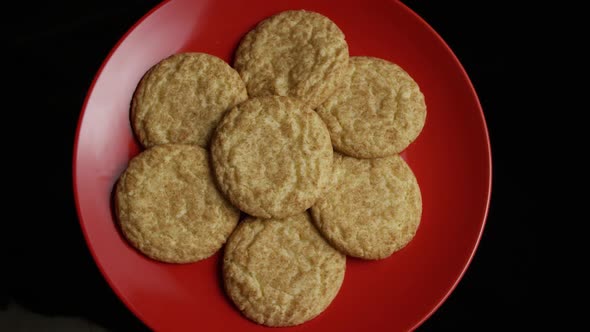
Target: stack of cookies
{"points": [[300, 139]]}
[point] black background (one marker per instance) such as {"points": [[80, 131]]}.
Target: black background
{"points": [[53, 51]]}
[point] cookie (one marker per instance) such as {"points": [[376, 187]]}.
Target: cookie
{"points": [[378, 112], [272, 156], [182, 98], [281, 272], [168, 206], [374, 210], [331, 182], [295, 53]]}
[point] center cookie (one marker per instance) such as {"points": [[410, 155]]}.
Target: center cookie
{"points": [[373, 210], [272, 156], [281, 272], [295, 53]]}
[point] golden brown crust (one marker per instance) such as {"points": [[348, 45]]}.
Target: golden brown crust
{"points": [[374, 210], [281, 272], [168, 206], [294, 53], [272, 156], [378, 111], [182, 98]]}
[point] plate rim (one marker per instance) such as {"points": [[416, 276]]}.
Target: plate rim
{"points": [[112, 285], [489, 160]]}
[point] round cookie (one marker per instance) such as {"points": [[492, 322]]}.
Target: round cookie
{"points": [[182, 98], [378, 111], [281, 272], [374, 210], [272, 156], [295, 53], [168, 206]]}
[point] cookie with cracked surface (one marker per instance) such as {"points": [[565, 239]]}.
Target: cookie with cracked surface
{"points": [[374, 210], [294, 53], [335, 177], [168, 206], [378, 112], [182, 98], [281, 272], [272, 156]]}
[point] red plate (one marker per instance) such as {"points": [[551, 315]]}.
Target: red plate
{"points": [[451, 159]]}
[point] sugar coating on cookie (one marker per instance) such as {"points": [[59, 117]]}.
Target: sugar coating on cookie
{"points": [[374, 210], [337, 173], [294, 53], [272, 156], [379, 111], [168, 206], [281, 272], [182, 98]]}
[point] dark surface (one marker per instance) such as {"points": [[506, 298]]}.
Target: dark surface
{"points": [[55, 49]]}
